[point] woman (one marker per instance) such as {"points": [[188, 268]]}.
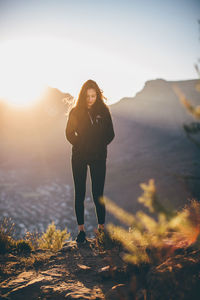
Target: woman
{"points": [[89, 129]]}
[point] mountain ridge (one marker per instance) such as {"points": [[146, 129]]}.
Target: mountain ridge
{"points": [[49, 92]]}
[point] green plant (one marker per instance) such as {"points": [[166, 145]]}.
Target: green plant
{"points": [[53, 238], [6, 232], [150, 240], [192, 128], [23, 247], [33, 238], [105, 241]]}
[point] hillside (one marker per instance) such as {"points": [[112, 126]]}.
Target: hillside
{"points": [[151, 143]]}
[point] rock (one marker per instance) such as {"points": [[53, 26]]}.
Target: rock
{"points": [[81, 296], [26, 290], [83, 269], [68, 247], [176, 278], [118, 292], [104, 272]]}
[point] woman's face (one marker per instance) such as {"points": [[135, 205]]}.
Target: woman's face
{"points": [[91, 97]]}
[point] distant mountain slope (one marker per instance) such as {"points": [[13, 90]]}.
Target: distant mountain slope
{"points": [[158, 105], [150, 143]]}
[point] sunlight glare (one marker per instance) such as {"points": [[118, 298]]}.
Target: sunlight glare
{"points": [[28, 66]]}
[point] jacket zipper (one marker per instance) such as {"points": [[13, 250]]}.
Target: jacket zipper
{"points": [[90, 118]]}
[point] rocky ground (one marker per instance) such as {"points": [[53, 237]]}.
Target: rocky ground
{"points": [[75, 272], [89, 272]]}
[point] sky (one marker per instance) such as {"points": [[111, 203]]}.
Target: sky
{"points": [[119, 44]]}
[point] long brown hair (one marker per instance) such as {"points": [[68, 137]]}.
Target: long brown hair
{"points": [[81, 101]]}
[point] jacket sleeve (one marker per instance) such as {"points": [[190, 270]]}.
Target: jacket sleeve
{"points": [[109, 130], [71, 128]]}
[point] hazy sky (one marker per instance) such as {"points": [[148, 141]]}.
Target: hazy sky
{"points": [[119, 44]]}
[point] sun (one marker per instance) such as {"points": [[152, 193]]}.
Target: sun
{"points": [[25, 68], [28, 65], [23, 96]]}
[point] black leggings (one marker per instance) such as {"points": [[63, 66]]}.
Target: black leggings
{"points": [[97, 175]]}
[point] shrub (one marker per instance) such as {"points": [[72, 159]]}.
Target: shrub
{"points": [[33, 238], [6, 231], [105, 241], [53, 238], [193, 128], [23, 247], [151, 241]]}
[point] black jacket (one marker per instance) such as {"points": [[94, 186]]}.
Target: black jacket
{"points": [[90, 131]]}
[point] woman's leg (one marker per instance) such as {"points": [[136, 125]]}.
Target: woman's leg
{"points": [[79, 170], [98, 173]]}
